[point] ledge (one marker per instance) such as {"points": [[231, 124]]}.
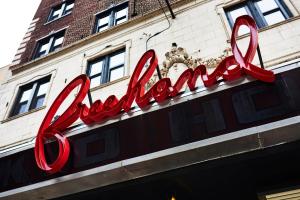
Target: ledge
{"points": [[49, 22], [23, 114]]}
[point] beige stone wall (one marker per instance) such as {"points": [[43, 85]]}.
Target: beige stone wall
{"points": [[5, 74], [200, 27]]}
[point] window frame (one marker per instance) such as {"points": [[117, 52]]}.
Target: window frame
{"points": [[50, 40], [106, 70], [253, 9], [62, 8], [111, 14], [33, 96]]}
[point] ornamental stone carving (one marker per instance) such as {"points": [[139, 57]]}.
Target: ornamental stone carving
{"points": [[178, 60]]}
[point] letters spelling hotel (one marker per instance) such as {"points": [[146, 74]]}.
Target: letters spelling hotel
{"points": [[154, 99]]}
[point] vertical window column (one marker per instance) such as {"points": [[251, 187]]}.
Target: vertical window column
{"points": [[31, 96], [61, 10], [265, 12], [49, 44], [271, 12], [107, 68], [111, 17]]}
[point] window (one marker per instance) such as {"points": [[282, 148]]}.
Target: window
{"points": [[31, 96], [61, 10], [265, 12], [111, 17], [49, 44], [107, 68]]}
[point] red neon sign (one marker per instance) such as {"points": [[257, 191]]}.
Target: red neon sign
{"points": [[161, 91]]}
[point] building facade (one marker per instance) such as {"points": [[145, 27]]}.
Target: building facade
{"points": [[235, 140]]}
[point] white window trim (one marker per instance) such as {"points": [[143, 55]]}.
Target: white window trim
{"points": [[220, 9], [106, 51], [62, 9], [16, 90]]}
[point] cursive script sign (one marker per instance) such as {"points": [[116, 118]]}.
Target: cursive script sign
{"points": [[160, 91]]}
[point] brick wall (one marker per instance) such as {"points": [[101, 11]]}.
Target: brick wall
{"points": [[81, 22]]}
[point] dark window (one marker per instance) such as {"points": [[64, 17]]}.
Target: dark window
{"points": [[49, 44], [61, 10], [265, 12], [107, 68], [111, 17], [31, 96]]}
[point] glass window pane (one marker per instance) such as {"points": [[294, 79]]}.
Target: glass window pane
{"points": [[238, 12], [274, 18], [95, 81], [243, 30], [116, 60], [58, 41], [44, 47], [235, 14], [69, 7], [31, 97], [96, 68], [39, 102], [121, 13], [103, 28], [103, 21], [116, 73], [43, 89], [25, 95], [267, 5], [22, 108], [119, 21], [56, 13], [40, 54]]}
